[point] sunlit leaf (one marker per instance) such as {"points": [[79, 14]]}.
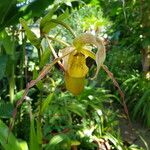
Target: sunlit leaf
{"points": [[47, 18], [45, 58], [116, 142], [50, 23], [8, 142], [23, 145], [77, 109], [59, 141]]}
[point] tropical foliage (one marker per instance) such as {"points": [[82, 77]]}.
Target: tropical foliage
{"points": [[65, 68]]}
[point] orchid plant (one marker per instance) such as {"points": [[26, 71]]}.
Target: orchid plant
{"points": [[72, 59]]}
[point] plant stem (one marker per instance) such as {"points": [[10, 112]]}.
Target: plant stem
{"points": [[11, 75]]}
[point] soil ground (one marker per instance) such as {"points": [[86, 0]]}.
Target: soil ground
{"points": [[137, 135]]}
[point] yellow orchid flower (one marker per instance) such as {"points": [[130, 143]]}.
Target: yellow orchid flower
{"points": [[75, 62]]}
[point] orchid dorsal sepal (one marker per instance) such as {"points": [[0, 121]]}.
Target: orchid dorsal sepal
{"points": [[87, 39]]}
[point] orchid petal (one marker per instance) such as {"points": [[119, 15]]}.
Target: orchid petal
{"points": [[100, 56]]}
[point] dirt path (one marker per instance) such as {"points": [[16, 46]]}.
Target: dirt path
{"points": [[139, 135]]}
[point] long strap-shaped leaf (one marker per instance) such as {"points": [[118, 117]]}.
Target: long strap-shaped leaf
{"points": [[30, 35], [8, 143]]}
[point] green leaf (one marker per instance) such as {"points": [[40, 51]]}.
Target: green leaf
{"points": [[44, 58], [8, 12], [6, 110], [67, 2], [117, 143], [8, 142], [36, 8], [40, 83], [77, 109], [18, 95], [46, 102], [59, 142], [3, 62], [10, 66], [39, 131], [34, 145], [50, 24], [8, 43], [47, 18], [30, 35], [139, 106], [23, 145]]}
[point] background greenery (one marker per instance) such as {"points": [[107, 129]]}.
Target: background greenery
{"points": [[51, 117]]}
